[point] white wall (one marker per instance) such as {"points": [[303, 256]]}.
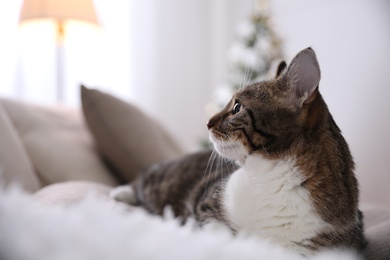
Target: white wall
{"points": [[178, 57]]}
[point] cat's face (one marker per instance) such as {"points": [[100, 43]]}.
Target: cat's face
{"points": [[268, 117], [252, 121]]}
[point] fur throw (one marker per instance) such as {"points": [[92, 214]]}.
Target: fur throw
{"points": [[100, 229]]}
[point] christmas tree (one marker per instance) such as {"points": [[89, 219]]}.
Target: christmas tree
{"points": [[256, 49], [252, 55]]}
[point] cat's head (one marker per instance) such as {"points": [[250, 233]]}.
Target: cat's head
{"points": [[270, 117]]}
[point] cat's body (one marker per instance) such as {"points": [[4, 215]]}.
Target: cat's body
{"points": [[295, 185], [197, 193]]}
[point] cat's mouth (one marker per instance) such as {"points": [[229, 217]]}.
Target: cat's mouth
{"points": [[227, 147], [218, 135], [220, 140]]}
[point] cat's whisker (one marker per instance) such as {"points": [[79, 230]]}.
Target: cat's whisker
{"points": [[209, 167], [247, 77], [219, 168], [249, 80], [264, 150], [210, 163], [230, 166], [234, 146]]}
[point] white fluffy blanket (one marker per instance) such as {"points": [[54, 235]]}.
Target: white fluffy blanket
{"points": [[98, 229]]}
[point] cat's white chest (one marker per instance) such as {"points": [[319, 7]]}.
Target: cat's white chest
{"points": [[266, 198]]}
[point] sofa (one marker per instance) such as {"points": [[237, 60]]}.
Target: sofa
{"points": [[60, 159]]}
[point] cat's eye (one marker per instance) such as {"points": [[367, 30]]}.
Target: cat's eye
{"points": [[236, 108]]}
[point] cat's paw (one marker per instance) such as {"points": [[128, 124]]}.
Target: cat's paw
{"points": [[125, 194]]}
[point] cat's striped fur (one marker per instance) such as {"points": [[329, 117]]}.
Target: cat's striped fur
{"points": [[289, 176]]}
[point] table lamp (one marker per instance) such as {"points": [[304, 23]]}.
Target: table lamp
{"points": [[60, 11]]}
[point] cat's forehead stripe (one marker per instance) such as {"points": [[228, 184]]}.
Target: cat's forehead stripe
{"points": [[257, 91]]}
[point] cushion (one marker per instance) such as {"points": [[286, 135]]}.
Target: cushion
{"points": [[377, 231], [70, 192], [15, 166], [126, 136], [58, 144]]}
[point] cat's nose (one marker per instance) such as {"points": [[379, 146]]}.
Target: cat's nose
{"points": [[211, 123]]}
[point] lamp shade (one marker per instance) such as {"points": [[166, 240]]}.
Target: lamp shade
{"points": [[59, 10]]}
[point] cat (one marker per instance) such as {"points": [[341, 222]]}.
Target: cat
{"points": [[283, 171]]}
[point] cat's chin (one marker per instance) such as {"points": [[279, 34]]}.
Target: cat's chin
{"points": [[229, 149]]}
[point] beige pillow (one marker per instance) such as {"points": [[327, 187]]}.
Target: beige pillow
{"points": [[58, 143], [126, 136], [70, 192], [15, 166]]}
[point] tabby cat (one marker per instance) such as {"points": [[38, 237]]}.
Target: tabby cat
{"points": [[285, 172]]}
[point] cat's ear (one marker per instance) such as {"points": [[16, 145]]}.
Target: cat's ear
{"points": [[303, 76], [281, 67]]}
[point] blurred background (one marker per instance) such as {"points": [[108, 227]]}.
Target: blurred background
{"points": [[179, 60]]}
